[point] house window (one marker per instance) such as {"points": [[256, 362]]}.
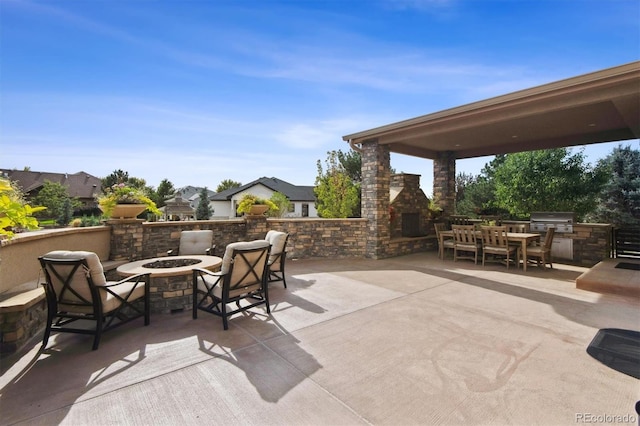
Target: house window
{"points": [[292, 208], [305, 210]]}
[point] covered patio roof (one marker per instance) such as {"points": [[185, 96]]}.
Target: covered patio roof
{"points": [[602, 106]]}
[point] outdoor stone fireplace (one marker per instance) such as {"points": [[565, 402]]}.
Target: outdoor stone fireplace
{"points": [[409, 206]]}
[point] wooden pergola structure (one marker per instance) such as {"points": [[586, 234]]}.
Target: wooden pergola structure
{"points": [[602, 106]]}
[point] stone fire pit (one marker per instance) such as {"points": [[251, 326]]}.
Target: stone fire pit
{"points": [[171, 263]]}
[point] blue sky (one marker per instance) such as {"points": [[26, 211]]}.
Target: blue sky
{"points": [[201, 91]]}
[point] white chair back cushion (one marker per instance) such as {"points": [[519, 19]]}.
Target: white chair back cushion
{"points": [[195, 242], [241, 245], [95, 266], [277, 240]]}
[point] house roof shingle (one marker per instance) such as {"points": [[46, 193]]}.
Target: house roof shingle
{"points": [[293, 192], [80, 184]]}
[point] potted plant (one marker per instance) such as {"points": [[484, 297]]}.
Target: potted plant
{"points": [[253, 205], [435, 211], [123, 201]]}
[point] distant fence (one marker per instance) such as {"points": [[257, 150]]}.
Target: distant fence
{"points": [[626, 242]]}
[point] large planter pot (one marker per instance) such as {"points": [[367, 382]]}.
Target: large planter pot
{"points": [[127, 211], [258, 210]]}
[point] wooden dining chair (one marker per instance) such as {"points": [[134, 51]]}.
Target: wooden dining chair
{"points": [[447, 242], [520, 228], [542, 252], [465, 241], [495, 242]]}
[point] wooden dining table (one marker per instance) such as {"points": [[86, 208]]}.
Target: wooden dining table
{"points": [[524, 238]]}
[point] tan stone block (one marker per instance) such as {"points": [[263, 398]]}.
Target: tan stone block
{"points": [[170, 294]]}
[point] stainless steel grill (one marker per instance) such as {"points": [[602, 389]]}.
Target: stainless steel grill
{"points": [[562, 221]]}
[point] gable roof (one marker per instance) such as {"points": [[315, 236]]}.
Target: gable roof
{"points": [[292, 192], [80, 184]]}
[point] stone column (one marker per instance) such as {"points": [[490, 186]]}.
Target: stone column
{"points": [[444, 181], [376, 166], [256, 227], [126, 239]]}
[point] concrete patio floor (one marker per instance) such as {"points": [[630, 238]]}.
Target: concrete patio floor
{"points": [[402, 341]]}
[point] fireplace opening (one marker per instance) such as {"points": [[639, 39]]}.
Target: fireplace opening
{"points": [[411, 225]]}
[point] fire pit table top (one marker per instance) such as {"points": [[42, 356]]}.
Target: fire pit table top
{"points": [[170, 266]]}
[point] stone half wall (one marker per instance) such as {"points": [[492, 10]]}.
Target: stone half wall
{"points": [[308, 238]]}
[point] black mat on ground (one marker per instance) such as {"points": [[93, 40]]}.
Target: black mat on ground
{"points": [[618, 349], [625, 265]]}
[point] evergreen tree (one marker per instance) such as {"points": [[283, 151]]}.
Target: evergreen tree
{"points": [[204, 211], [66, 213], [163, 193], [619, 201]]}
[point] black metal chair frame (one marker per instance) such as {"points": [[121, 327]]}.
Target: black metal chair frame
{"points": [[212, 304], [275, 276], [59, 321]]}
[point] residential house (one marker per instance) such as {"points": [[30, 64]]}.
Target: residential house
{"points": [[302, 198], [81, 185]]}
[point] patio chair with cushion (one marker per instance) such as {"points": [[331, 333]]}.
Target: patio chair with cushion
{"points": [[542, 252], [242, 279], [277, 255], [77, 291], [194, 242], [465, 241], [517, 227], [447, 242], [495, 243]]}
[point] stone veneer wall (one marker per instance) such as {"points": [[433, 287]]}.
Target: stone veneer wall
{"points": [[444, 182], [334, 238], [307, 237], [410, 199], [376, 166], [22, 318], [591, 243]]}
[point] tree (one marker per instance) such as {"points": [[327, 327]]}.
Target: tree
{"points": [[336, 193], [546, 180], [122, 177], [117, 176], [53, 195], [66, 213], [475, 195], [227, 184], [163, 193], [351, 162], [619, 201], [14, 211], [282, 202], [203, 211]]}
